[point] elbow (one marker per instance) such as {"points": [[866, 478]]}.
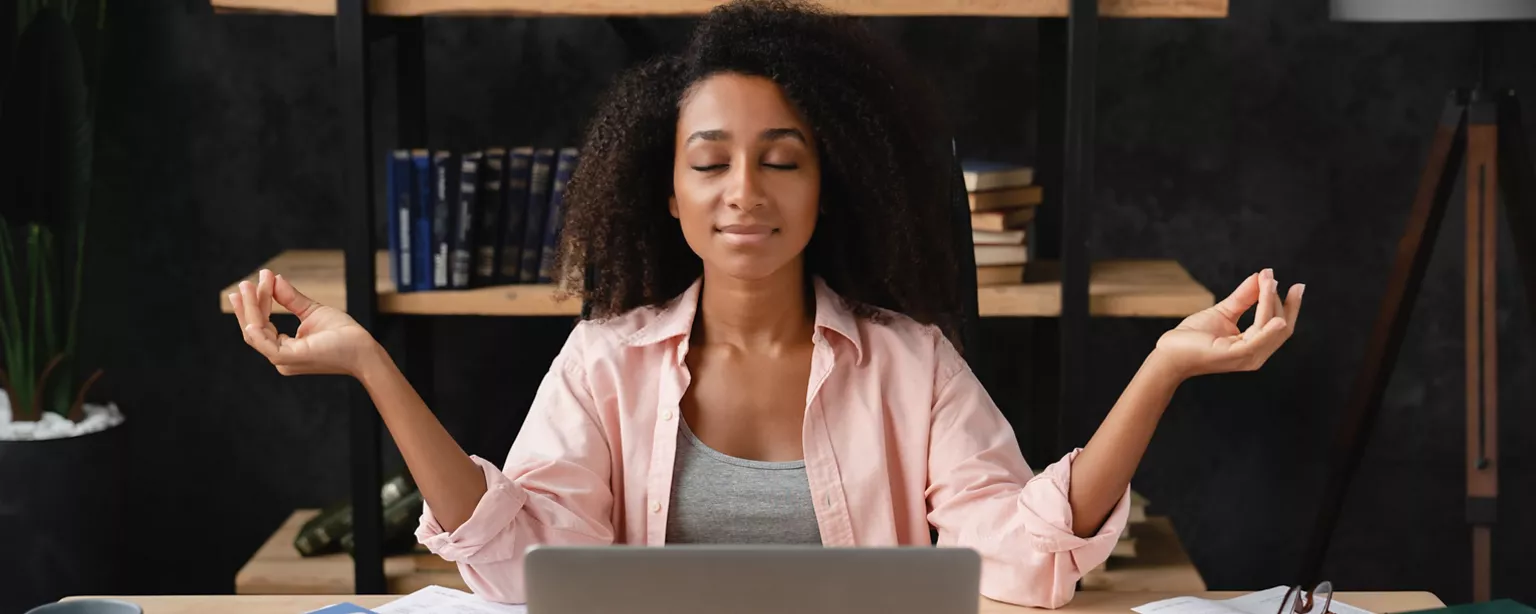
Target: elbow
{"points": [[1036, 580]]}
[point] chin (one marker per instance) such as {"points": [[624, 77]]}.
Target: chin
{"points": [[748, 266]]}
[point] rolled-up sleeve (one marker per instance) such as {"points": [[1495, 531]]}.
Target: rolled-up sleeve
{"points": [[982, 495], [553, 490]]}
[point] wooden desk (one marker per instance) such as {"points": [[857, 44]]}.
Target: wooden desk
{"points": [[1160, 564], [1088, 602]]}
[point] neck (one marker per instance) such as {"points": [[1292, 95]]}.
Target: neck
{"points": [[760, 315]]}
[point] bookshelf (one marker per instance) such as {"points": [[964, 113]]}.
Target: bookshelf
{"points": [[1062, 300], [1186, 9], [1116, 288]]}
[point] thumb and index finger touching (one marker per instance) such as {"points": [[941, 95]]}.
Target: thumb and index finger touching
{"points": [[253, 308], [291, 299]]}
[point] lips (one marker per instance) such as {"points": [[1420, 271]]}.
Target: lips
{"points": [[746, 229], [746, 234]]}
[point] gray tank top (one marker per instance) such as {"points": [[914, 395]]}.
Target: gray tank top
{"points": [[720, 499]]}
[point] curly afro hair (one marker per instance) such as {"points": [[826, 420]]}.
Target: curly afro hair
{"points": [[885, 168]]}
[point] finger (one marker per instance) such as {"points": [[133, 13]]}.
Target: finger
{"points": [[291, 299], [1248, 351], [271, 278], [264, 293], [1241, 299], [1266, 307], [1293, 304], [264, 340], [238, 307], [1276, 308], [252, 306]]}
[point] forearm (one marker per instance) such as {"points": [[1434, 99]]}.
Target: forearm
{"points": [[450, 482], [1103, 470]]}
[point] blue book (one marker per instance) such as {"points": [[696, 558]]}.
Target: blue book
{"points": [[488, 222], [421, 213], [514, 214], [982, 175], [539, 180], [461, 243], [342, 608], [444, 201], [397, 208]]}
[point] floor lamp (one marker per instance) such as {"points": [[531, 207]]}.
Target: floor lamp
{"points": [[1483, 124]]}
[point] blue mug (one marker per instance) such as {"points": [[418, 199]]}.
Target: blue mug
{"points": [[88, 606]]}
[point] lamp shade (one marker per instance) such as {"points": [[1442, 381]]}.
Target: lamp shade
{"points": [[1433, 10]]}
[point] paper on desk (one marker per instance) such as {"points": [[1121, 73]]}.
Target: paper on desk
{"points": [[442, 600], [1262, 602]]}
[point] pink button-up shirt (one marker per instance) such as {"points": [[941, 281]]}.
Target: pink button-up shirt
{"points": [[899, 435]]}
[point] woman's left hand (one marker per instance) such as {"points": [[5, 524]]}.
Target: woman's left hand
{"points": [[1210, 341]]}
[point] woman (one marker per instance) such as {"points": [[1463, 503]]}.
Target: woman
{"points": [[759, 216]]}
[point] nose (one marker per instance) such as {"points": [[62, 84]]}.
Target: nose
{"points": [[745, 189]]}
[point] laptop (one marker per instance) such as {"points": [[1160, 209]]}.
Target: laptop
{"points": [[767, 579]]}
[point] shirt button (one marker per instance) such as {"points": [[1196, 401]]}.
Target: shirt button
{"points": [[655, 507], [666, 414]]}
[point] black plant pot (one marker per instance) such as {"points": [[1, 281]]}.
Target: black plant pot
{"points": [[61, 518]]}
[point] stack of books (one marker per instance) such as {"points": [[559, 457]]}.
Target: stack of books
{"points": [[475, 218], [1125, 548], [1003, 200]]}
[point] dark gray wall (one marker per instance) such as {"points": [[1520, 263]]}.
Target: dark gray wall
{"points": [[1270, 138]]}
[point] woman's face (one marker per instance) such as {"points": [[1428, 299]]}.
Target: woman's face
{"points": [[746, 180]]}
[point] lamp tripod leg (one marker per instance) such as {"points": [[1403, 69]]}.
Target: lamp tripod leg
{"points": [[1482, 239]]}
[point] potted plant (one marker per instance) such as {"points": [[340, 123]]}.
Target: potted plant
{"points": [[61, 457]]}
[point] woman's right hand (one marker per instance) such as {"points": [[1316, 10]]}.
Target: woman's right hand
{"points": [[328, 340]]}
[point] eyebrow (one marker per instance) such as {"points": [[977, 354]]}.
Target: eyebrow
{"points": [[771, 134]]}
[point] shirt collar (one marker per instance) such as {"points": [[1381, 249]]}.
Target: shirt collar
{"points": [[676, 318]]}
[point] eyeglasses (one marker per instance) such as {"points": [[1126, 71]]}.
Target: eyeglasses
{"points": [[1300, 601]]}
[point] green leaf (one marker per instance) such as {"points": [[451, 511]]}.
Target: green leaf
{"points": [[47, 107], [33, 260], [89, 24], [8, 320], [16, 360], [46, 265], [76, 291]]}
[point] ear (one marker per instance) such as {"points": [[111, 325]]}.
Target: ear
{"points": [[672, 206]]}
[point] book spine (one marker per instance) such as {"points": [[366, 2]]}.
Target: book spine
{"points": [[515, 210], [464, 221], [421, 215], [397, 210], [555, 223], [490, 222], [538, 208], [445, 188]]}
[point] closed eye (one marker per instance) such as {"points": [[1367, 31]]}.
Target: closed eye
{"points": [[716, 167]]}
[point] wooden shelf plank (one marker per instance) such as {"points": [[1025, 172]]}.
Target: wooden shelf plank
{"points": [[666, 8], [1117, 288], [278, 569], [320, 275]]}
